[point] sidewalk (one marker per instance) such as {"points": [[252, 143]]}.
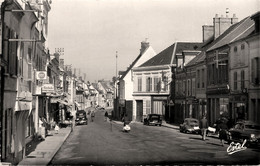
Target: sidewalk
{"points": [[46, 150]]}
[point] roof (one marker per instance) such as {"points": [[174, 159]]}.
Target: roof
{"points": [[134, 62], [235, 32], [166, 56], [193, 61]]}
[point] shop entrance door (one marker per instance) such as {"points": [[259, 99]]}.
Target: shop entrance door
{"points": [[139, 110]]}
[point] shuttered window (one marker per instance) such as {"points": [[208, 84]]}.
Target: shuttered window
{"points": [[148, 84], [242, 79], [139, 82], [235, 80], [202, 78], [156, 84], [255, 70]]}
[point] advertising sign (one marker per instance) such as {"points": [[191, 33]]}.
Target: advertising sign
{"points": [[41, 75], [47, 88]]}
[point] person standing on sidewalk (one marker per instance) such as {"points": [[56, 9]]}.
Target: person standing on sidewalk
{"points": [[106, 115], [204, 126], [223, 131], [92, 115]]}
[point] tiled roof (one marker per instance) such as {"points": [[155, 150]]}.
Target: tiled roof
{"points": [[165, 57], [235, 32]]}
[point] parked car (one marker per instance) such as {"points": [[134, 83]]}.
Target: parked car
{"points": [[153, 119], [81, 118], [190, 125], [245, 130]]}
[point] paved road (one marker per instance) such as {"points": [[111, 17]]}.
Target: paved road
{"points": [[102, 142]]}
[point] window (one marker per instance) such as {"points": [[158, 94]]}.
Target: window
{"points": [[235, 49], [21, 59], [139, 82], [188, 87], [148, 84], [255, 67], [242, 79], [193, 87], [12, 54], [242, 46], [202, 78], [235, 80], [198, 78], [148, 106], [156, 84]]}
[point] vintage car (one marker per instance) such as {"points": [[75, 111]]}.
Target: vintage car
{"points": [[81, 118], [190, 125], [245, 130], [153, 119]]}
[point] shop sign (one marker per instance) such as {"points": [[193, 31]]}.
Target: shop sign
{"points": [[54, 100], [160, 98], [41, 75], [47, 88]]}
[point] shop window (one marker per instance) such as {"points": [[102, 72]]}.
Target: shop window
{"points": [[148, 106]]}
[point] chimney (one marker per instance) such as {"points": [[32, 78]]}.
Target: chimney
{"points": [[144, 45], [207, 32], [221, 24]]}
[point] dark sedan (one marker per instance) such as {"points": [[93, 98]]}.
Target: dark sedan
{"points": [[245, 130], [153, 119], [190, 125]]}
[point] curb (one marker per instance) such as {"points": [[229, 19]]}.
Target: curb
{"points": [[58, 148]]}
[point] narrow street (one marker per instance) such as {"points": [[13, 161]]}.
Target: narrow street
{"points": [[102, 142]]}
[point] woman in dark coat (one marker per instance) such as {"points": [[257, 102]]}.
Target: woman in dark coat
{"points": [[223, 132]]}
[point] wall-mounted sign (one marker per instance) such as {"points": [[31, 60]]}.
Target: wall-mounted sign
{"points": [[47, 88], [41, 75]]}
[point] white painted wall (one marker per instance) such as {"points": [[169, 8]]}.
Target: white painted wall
{"points": [[129, 87]]}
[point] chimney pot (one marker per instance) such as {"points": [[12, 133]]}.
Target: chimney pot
{"points": [[216, 16]]}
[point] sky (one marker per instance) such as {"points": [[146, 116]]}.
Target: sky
{"points": [[92, 31]]}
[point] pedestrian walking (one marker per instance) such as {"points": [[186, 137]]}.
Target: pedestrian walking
{"points": [[204, 127], [92, 116], [57, 128], [223, 131], [106, 116]]}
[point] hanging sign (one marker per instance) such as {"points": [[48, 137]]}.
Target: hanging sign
{"points": [[47, 88], [41, 75]]}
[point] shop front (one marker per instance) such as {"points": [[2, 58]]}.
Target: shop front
{"points": [[218, 105], [239, 107], [159, 105]]}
